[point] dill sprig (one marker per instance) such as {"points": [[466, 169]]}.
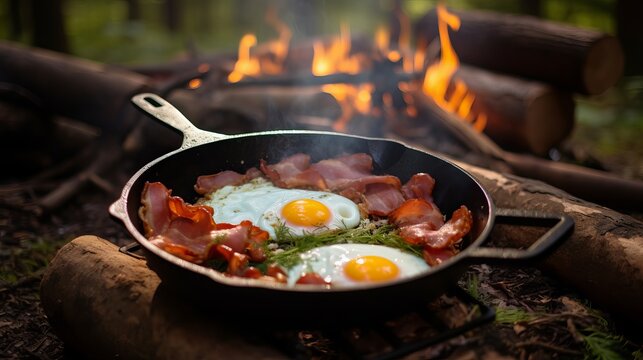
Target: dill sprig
{"points": [[291, 246]]}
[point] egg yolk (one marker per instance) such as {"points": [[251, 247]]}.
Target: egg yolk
{"points": [[306, 212], [371, 268]]}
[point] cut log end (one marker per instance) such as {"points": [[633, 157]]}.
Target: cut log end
{"points": [[549, 120], [604, 65]]}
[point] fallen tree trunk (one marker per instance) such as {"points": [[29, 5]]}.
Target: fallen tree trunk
{"points": [[102, 311], [579, 60], [603, 258], [79, 89]]}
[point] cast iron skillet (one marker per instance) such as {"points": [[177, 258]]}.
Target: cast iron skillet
{"points": [[205, 152]]}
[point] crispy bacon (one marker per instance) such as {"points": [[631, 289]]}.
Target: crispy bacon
{"points": [[447, 235], [337, 171], [380, 199], [311, 278], [189, 231], [417, 211], [293, 172], [436, 257], [209, 183], [420, 186]]}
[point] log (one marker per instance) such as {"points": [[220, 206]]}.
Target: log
{"points": [[276, 106], [104, 312], [79, 89], [576, 59], [603, 259], [522, 115]]}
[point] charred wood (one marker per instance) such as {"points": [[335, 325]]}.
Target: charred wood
{"points": [[576, 59], [276, 106]]}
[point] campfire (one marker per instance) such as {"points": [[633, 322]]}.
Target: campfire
{"points": [[492, 93]]}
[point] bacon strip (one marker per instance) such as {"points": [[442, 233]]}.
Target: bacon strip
{"points": [[447, 235], [209, 183], [189, 231], [340, 170], [417, 211], [420, 186], [293, 172]]}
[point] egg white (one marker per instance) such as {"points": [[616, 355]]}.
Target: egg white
{"points": [[261, 202], [329, 262]]}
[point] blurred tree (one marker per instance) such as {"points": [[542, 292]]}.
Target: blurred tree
{"points": [[133, 10], [173, 11], [48, 25], [629, 29], [531, 7], [15, 20]]}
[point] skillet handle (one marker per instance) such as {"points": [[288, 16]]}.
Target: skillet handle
{"points": [[563, 227], [165, 112]]}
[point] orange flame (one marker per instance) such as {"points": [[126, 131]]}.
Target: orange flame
{"points": [[438, 76], [246, 64], [250, 65], [337, 58]]}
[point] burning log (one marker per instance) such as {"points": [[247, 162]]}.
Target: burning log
{"points": [[522, 115], [579, 60], [271, 105]]}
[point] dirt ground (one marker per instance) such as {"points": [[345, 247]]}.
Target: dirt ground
{"points": [[537, 318]]}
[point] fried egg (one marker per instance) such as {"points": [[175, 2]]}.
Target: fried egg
{"points": [[267, 206], [344, 265]]}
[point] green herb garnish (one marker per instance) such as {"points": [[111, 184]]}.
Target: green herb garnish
{"points": [[293, 245]]}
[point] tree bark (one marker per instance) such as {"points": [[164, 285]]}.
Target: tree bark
{"points": [[104, 312], [603, 258], [579, 60]]}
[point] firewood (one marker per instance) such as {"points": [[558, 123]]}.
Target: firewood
{"points": [[271, 105], [105, 304], [603, 258], [79, 89], [522, 115], [576, 59]]}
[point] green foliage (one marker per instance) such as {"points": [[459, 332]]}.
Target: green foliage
{"points": [[472, 286], [506, 315], [601, 345], [292, 246]]}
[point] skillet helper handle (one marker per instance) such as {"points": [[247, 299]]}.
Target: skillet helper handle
{"points": [[563, 227], [166, 113]]}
